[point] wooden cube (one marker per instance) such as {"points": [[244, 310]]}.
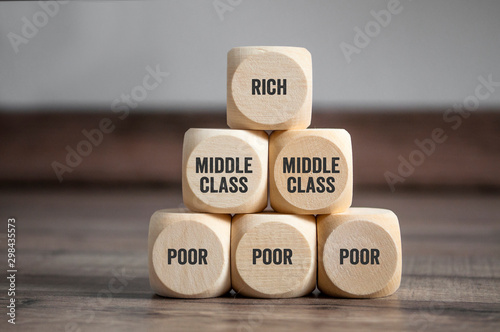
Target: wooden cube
{"points": [[224, 170], [359, 253], [189, 254], [310, 171], [273, 255], [269, 88]]}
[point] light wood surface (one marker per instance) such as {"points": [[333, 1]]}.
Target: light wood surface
{"points": [[269, 88], [310, 171], [273, 255], [189, 253], [359, 253], [225, 170], [72, 243]]}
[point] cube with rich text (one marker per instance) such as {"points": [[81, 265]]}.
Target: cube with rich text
{"points": [[269, 88]]}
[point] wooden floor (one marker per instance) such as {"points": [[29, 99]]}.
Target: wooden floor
{"points": [[82, 266]]}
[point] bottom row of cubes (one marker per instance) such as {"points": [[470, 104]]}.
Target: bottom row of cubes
{"points": [[353, 254]]}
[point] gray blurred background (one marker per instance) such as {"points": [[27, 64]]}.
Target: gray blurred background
{"points": [[390, 72], [428, 56]]}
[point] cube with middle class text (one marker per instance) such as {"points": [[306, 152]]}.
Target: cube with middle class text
{"points": [[310, 171], [225, 170]]}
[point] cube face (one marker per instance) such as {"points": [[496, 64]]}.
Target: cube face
{"points": [[189, 254], [359, 253], [273, 255], [225, 171], [269, 88], [310, 171]]}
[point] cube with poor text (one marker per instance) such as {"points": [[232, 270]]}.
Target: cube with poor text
{"points": [[189, 254]]}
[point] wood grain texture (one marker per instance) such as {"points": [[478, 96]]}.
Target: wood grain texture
{"points": [[359, 253], [310, 171], [31, 142], [273, 255], [225, 170], [72, 243], [188, 253], [269, 88]]}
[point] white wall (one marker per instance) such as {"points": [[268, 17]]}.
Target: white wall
{"points": [[89, 53]]}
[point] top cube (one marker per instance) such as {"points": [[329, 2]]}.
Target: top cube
{"points": [[269, 88]]}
